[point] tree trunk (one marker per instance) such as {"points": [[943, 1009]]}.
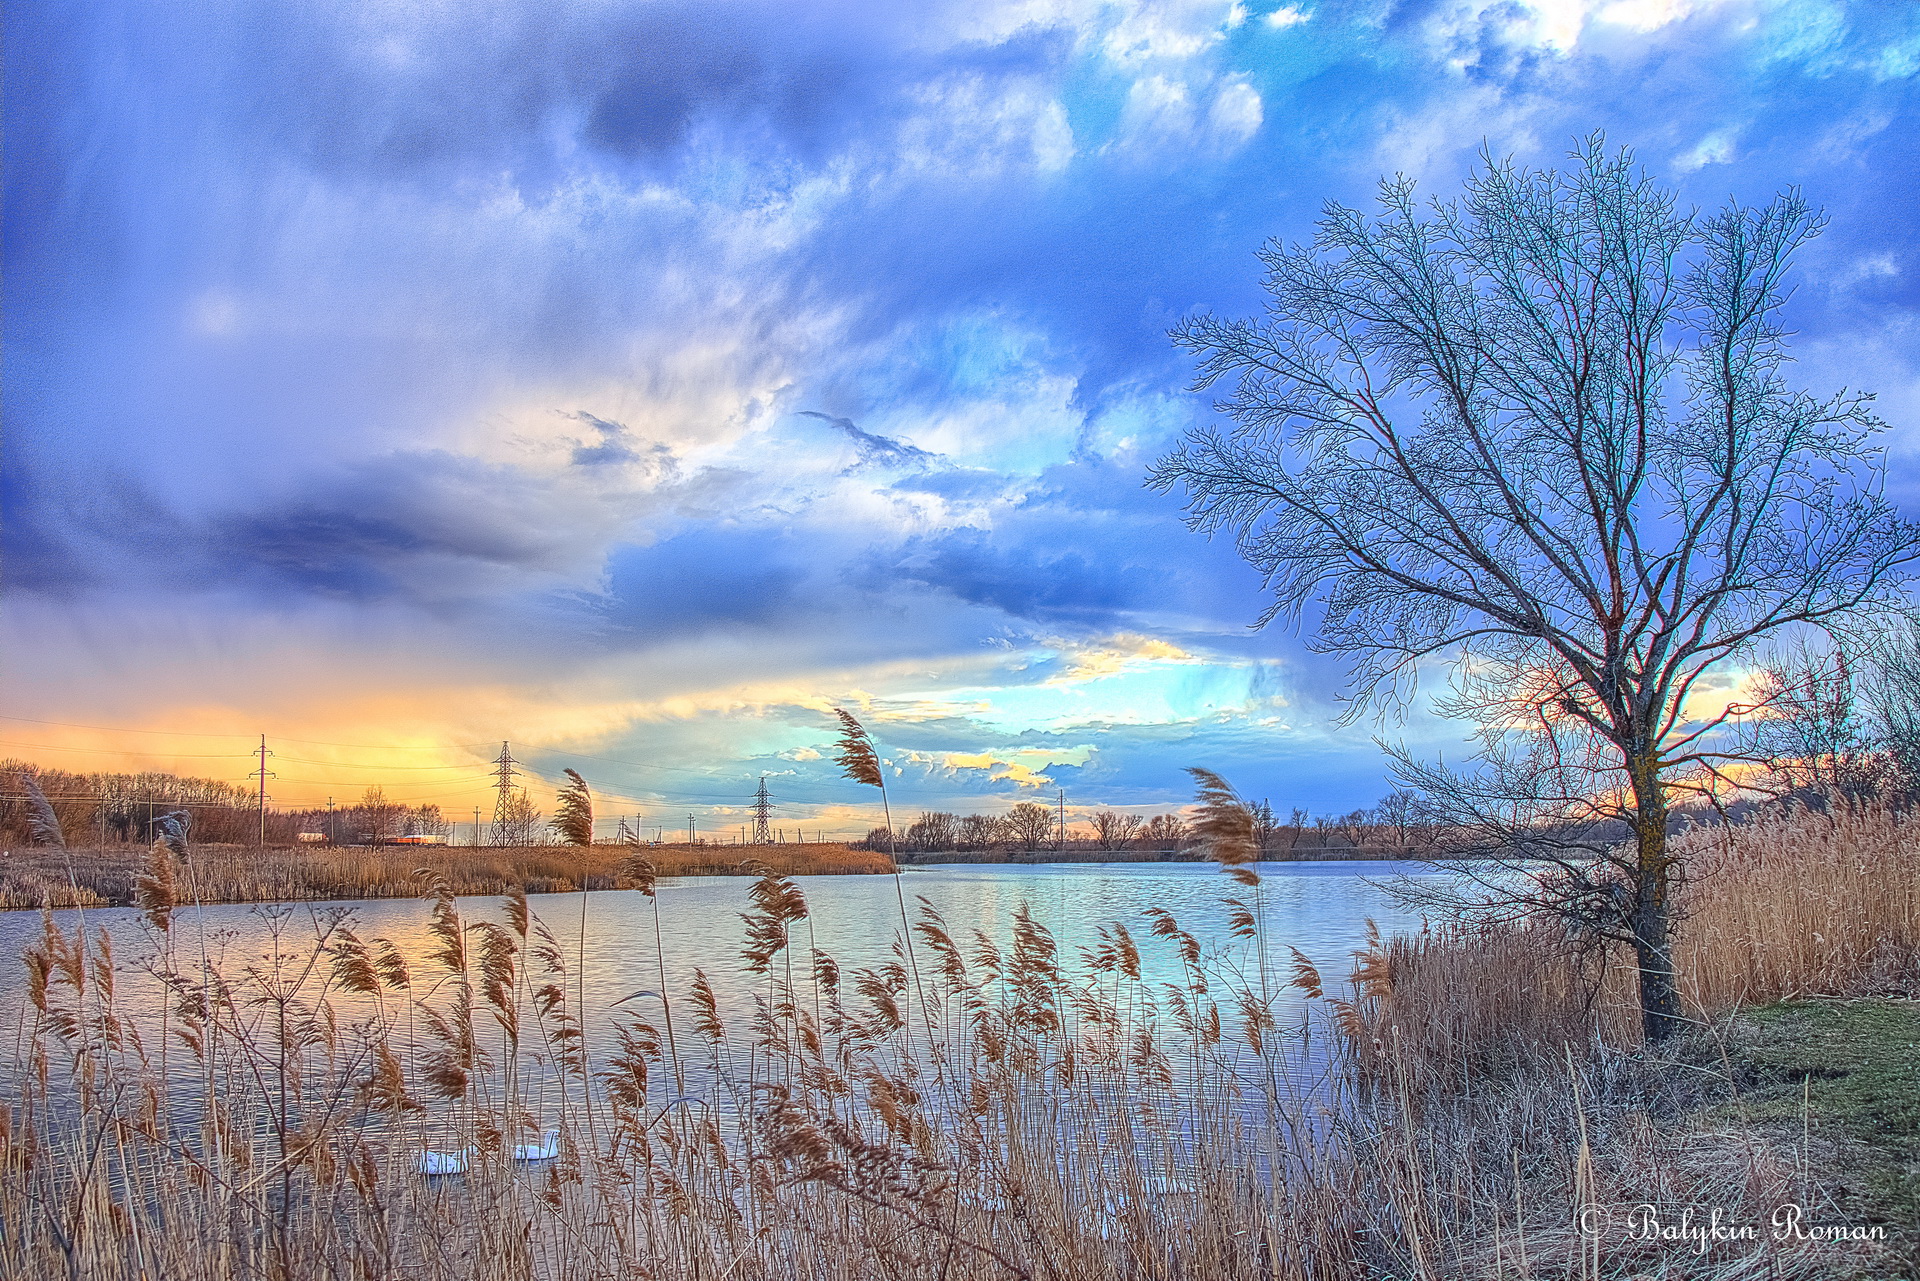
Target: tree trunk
{"points": [[1653, 949]]}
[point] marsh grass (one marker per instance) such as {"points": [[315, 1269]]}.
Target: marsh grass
{"points": [[103, 876], [1442, 1114]]}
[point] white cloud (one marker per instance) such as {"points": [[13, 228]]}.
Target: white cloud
{"points": [[1236, 112], [1291, 15], [1717, 148], [979, 128], [1164, 112], [1556, 26]]}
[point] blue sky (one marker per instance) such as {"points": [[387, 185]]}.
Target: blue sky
{"points": [[639, 381]]}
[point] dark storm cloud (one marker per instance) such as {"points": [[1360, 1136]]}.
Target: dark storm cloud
{"points": [[875, 449], [706, 579], [427, 526], [1021, 580]]}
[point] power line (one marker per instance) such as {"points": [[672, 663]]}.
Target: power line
{"points": [[188, 733], [113, 751]]}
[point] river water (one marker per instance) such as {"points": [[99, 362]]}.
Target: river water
{"points": [[1320, 908]]}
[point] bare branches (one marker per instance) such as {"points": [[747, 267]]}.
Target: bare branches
{"points": [[1541, 434], [1458, 430]]}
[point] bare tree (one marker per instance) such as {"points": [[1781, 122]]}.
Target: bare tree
{"points": [[1112, 830], [1028, 825], [1164, 832], [1286, 839], [1355, 827], [934, 830], [1542, 432], [380, 815], [1397, 821], [519, 821], [976, 831], [1814, 734], [1841, 721]]}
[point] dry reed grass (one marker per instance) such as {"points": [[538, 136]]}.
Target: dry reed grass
{"points": [[1042, 1119], [102, 876]]}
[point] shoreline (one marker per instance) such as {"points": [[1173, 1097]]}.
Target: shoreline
{"points": [[105, 876]]}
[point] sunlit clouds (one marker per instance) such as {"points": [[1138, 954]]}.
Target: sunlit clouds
{"points": [[637, 383]]}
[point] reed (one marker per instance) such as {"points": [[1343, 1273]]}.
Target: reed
{"points": [[1439, 1116], [101, 876]]}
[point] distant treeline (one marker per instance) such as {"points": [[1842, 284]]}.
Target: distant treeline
{"points": [[109, 808], [1391, 829]]}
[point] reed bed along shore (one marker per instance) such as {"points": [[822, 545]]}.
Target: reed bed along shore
{"points": [[967, 1109], [104, 876]]}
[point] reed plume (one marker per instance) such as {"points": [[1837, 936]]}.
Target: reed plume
{"points": [[172, 828], [574, 818], [1225, 824], [43, 825], [860, 762], [153, 892], [1088, 1125], [855, 752]]}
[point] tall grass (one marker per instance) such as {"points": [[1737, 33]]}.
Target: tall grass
{"points": [[1440, 1117], [304, 873]]}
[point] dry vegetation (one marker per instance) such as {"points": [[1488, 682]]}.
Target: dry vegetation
{"points": [[969, 1110], [42, 876]]}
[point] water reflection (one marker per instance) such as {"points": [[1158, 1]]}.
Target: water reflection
{"points": [[1319, 908]]}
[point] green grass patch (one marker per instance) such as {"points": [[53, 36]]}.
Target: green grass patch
{"points": [[1845, 1074]]}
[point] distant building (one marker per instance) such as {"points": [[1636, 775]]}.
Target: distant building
{"points": [[311, 838], [418, 840]]}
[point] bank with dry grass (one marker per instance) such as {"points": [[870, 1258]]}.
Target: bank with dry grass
{"points": [[105, 876], [970, 1108]]}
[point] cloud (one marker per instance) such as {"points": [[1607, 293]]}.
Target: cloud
{"points": [[469, 365], [1019, 766], [875, 449]]}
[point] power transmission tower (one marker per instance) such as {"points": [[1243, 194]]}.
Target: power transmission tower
{"points": [[1063, 819], [503, 802], [762, 815], [263, 774]]}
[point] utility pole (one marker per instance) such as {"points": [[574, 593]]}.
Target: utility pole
{"points": [[762, 814], [263, 774], [503, 803], [1063, 821], [330, 839], [476, 826]]}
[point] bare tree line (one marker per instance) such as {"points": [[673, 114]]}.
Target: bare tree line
{"points": [[1394, 828], [46, 806]]}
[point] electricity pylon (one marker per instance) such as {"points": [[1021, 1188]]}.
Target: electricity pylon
{"points": [[503, 801], [762, 815]]}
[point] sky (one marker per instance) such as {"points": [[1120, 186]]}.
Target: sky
{"points": [[638, 382]]}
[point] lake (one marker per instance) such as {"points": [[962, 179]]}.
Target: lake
{"points": [[1320, 908]]}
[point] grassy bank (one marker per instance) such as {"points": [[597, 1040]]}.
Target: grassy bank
{"points": [[1466, 1105], [105, 876]]}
